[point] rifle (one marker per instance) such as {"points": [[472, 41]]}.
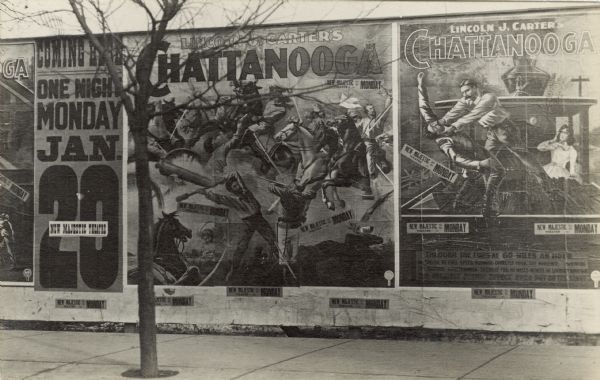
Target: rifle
{"points": [[166, 168], [374, 123]]}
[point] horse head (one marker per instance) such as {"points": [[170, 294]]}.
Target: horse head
{"points": [[170, 231], [287, 132], [344, 121], [169, 114]]}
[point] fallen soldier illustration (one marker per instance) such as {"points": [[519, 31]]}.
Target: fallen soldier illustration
{"points": [[249, 209]]}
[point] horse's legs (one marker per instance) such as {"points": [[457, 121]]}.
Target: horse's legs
{"points": [[331, 185], [324, 185], [328, 202], [336, 197], [364, 184], [328, 182], [325, 199]]}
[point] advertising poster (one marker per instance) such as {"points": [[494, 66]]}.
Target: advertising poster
{"points": [[78, 166], [499, 150], [278, 169], [16, 161]]}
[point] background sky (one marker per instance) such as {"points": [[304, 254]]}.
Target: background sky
{"points": [[126, 16]]}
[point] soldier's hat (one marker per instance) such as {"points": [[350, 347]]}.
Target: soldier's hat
{"points": [[318, 109], [238, 84], [353, 112]]}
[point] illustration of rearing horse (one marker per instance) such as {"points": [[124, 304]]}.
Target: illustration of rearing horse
{"points": [[170, 266], [349, 167], [313, 166]]}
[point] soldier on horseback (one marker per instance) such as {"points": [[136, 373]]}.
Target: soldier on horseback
{"points": [[253, 122]]}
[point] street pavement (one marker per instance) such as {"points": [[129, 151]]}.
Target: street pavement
{"points": [[92, 355]]}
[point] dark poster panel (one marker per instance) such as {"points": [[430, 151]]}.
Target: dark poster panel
{"points": [[78, 166], [499, 151], [16, 161], [245, 180]]}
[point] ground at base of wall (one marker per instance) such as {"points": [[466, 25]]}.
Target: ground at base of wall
{"points": [[342, 332]]}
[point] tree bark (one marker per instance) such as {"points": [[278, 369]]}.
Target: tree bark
{"points": [[145, 251]]}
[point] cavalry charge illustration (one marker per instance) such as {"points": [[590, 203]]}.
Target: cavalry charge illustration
{"points": [[317, 150]]}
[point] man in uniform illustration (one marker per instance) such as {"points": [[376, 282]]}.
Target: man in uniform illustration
{"points": [[250, 126], [370, 127], [295, 200]]}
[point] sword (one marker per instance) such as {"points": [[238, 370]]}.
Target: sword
{"points": [[374, 123], [418, 197], [273, 205], [276, 201], [383, 174], [271, 181], [177, 124], [185, 196], [297, 109], [264, 151]]}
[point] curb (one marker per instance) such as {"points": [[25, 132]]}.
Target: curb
{"points": [[339, 332]]}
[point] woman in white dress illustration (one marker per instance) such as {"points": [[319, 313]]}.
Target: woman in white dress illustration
{"points": [[563, 155]]}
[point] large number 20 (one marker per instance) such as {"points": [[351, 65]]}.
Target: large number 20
{"points": [[98, 267]]}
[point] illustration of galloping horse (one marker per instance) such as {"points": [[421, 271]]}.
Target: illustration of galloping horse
{"points": [[170, 266], [246, 101], [313, 166], [204, 130], [197, 126]]}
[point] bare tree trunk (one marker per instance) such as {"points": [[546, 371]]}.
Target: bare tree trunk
{"points": [[147, 315]]}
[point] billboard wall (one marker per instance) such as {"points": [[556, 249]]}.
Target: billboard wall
{"points": [[78, 166], [283, 173], [498, 141], [289, 181]]}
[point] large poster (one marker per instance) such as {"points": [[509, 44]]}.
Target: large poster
{"points": [[78, 166], [16, 161], [499, 138], [277, 170]]}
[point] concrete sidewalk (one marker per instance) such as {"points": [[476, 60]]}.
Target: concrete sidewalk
{"points": [[88, 355]]}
